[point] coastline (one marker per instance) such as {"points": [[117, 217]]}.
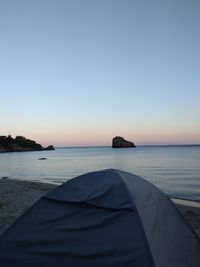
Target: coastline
{"points": [[17, 196]]}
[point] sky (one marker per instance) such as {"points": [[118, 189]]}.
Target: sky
{"points": [[79, 72]]}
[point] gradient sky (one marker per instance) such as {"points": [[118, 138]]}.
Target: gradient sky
{"points": [[78, 72]]}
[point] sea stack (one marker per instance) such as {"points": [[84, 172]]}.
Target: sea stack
{"points": [[120, 142]]}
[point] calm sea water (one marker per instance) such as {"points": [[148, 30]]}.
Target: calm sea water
{"points": [[174, 169]]}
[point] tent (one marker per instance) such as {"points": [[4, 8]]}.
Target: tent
{"points": [[106, 218]]}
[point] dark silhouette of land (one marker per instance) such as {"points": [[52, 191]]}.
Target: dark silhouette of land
{"points": [[120, 142], [19, 144]]}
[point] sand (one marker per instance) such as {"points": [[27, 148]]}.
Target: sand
{"points": [[17, 196]]}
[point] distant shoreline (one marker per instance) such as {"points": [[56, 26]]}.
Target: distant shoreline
{"points": [[20, 144]]}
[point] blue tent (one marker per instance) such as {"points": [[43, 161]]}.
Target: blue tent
{"points": [[106, 218]]}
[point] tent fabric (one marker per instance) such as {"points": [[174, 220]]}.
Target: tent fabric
{"points": [[171, 240], [105, 219], [109, 191]]}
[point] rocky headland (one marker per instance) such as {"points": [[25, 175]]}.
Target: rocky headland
{"points": [[120, 142], [20, 144]]}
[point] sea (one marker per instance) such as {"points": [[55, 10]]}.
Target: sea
{"points": [[173, 169]]}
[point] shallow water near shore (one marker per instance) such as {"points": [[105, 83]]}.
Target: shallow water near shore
{"points": [[174, 169]]}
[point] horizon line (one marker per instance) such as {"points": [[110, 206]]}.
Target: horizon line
{"points": [[141, 145]]}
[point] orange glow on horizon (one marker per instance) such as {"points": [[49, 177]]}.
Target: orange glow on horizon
{"points": [[101, 137]]}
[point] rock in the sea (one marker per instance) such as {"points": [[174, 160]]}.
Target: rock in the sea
{"points": [[119, 142], [49, 148]]}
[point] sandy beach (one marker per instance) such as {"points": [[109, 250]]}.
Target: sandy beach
{"points": [[17, 196]]}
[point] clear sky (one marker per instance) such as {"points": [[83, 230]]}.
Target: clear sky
{"points": [[78, 72]]}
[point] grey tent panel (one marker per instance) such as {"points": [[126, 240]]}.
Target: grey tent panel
{"points": [[172, 241], [103, 219]]}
